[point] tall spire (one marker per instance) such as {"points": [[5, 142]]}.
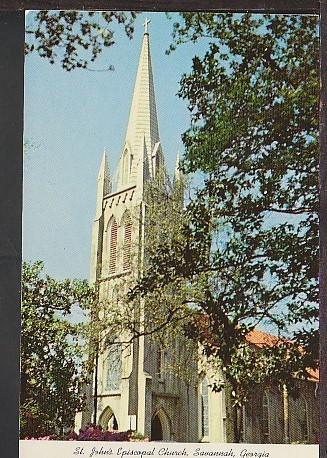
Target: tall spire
{"points": [[142, 126], [143, 119]]}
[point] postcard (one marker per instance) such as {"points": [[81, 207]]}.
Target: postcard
{"points": [[170, 228]]}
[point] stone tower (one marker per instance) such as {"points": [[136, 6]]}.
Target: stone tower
{"points": [[129, 389]]}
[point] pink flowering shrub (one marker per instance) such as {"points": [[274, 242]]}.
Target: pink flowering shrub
{"points": [[96, 433], [90, 433]]}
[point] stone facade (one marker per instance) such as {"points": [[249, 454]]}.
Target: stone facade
{"points": [[132, 390]]}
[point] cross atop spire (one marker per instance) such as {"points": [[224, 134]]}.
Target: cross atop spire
{"points": [[146, 23]]}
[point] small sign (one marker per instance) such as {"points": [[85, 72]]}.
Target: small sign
{"points": [[132, 422]]}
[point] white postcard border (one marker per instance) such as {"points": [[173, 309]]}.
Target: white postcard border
{"points": [[86, 449]]}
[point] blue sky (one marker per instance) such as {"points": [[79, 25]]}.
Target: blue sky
{"points": [[70, 117]]}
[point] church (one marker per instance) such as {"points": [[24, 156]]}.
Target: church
{"points": [[130, 389]]}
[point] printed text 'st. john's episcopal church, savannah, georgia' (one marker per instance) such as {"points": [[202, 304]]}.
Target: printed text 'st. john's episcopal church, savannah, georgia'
{"points": [[133, 391]]}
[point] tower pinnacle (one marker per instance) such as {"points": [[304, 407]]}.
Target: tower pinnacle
{"points": [[103, 185]]}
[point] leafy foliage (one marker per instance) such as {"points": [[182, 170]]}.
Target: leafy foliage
{"points": [[74, 38], [51, 352], [248, 251]]}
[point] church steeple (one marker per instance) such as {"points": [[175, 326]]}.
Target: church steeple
{"points": [[142, 129]]}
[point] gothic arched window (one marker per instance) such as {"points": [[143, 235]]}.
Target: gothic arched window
{"points": [[113, 367], [112, 235], [127, 241], [205, 408], [265, 418], [160, 361]]}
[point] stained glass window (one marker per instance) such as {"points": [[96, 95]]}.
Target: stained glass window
{"points": [[160, 361], [113, 367]]}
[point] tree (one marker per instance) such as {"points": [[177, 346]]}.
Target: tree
{"points": [[74, 38], [249, 250], [52, 369]]}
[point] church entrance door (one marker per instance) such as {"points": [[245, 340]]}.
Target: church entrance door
{"points": [[160, 427], [156, 429]]}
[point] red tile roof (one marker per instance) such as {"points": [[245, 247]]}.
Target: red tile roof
{"points": [[262, 339]]}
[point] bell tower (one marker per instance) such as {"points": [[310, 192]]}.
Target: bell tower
{"points": [[128, 390], [121, 380]]}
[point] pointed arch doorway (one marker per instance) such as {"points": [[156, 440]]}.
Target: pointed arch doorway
{"points": [[108, 420], [160, 427]]}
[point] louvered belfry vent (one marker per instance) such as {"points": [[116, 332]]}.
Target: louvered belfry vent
{"points": [[127, 242], [113, 247]]}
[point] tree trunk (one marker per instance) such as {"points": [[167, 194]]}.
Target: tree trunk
{"points": [[232, 420]]}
